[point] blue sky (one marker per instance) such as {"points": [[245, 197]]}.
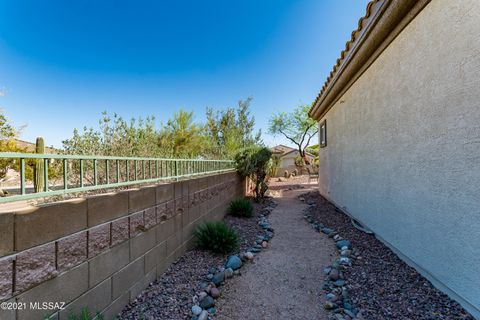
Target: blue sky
{"points": [[63, 62]]}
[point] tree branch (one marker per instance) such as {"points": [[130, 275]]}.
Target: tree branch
{"points": [[286, 136], [301, 150], [308, 141]]}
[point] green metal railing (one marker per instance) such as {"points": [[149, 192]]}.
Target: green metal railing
{"points": [[79, 173]]}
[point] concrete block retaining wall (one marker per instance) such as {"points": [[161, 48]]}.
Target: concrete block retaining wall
{"points": [[102, 251]]}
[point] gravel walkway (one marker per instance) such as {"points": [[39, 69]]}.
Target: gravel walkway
{"points": [[285, 281]]}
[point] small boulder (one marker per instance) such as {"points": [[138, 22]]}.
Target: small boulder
{"points": [[339, 283], [249, 255], [234, 262], [215, 293], [202, 295], [334, 275], [343, 243], [207, 302], [196, 310], [228, 273], [327, 231], [203, 315], [218, 278]]}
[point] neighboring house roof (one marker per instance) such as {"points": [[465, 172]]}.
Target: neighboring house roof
{"points": [[295, 150], [383, 21], [281, 149]]}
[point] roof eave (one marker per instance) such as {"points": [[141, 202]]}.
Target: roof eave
{"points": [[383, 21]]}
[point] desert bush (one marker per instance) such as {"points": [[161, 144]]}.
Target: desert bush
{"points": [[253, 163], [241, 207], [217, 237], [299, 161], [84, 315]]}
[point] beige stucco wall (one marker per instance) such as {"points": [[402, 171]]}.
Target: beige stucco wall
{"points": [[403, 152], [287, 162]]}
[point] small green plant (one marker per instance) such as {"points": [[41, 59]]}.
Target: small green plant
{"points": [[241, 207], [85, 315], [217, 237]]}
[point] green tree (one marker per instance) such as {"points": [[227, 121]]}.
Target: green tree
{"points": [[8, 133], [116, 137], [182, 136], [296, 126], [231, 129]]}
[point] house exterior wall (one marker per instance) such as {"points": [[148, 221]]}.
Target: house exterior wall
{"points": [[403, 153], [288, 163]]}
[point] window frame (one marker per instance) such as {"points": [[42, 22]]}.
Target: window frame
{"points": [[322, 129]]}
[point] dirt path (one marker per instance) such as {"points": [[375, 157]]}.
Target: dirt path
{"points": [[285, 281]]}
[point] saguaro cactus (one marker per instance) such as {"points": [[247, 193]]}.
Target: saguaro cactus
{"points": [[39, 170]]}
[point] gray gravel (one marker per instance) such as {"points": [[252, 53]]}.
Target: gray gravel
{"points": [[381, 285]]}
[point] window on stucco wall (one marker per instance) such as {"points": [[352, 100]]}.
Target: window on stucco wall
{"points": [[323, 134]]}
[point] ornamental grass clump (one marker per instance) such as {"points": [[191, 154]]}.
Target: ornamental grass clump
{"points": [[217, 237], [241, 207]]}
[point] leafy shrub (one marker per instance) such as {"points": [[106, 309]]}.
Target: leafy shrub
{"points": [[217, 237], [299, 161], [253, 163], [241, 207]]}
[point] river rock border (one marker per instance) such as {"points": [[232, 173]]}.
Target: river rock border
{"points": [[334, 284], [203, 307]]}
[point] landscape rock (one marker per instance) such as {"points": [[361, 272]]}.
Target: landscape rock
{"points": [[234, 262], [203, 315], [343, 243], [339, 283], [333, 275], [202, 295], [218, 278], [215, 293], [207, 302], [327, 231], [228, 273], [196, 310]]}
